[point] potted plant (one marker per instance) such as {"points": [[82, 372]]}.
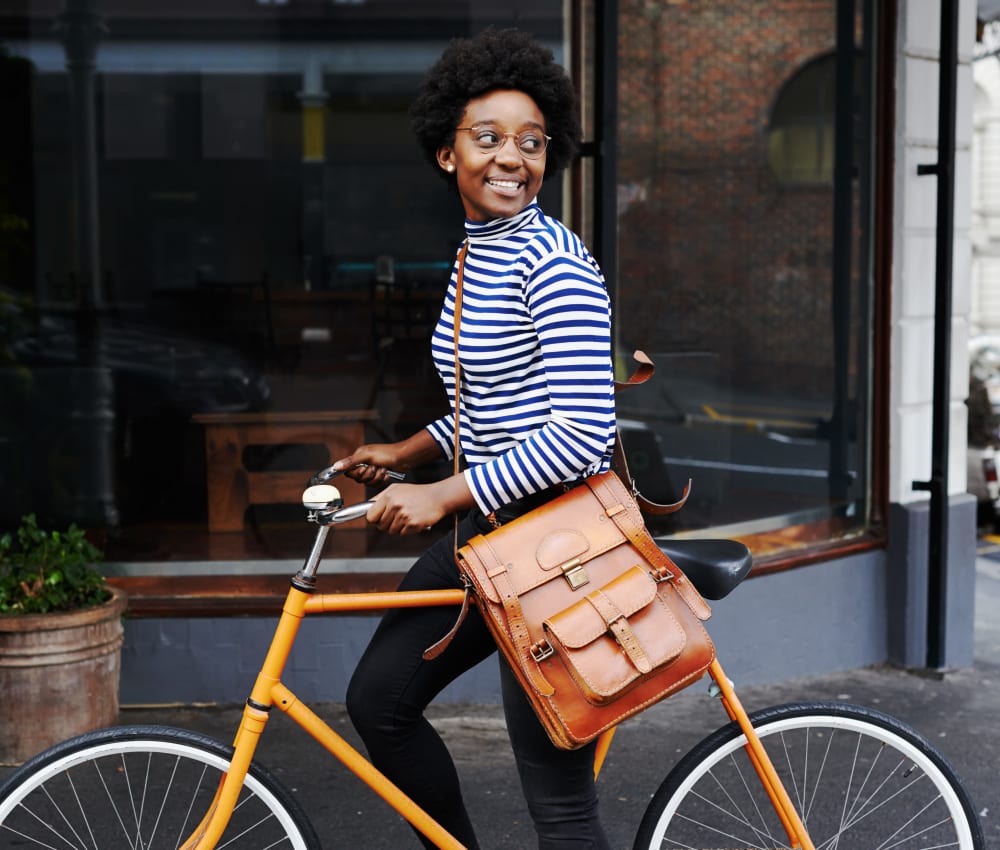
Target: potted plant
{"points": [[60, 639]]}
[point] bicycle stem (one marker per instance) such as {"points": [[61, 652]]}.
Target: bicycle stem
{"points": [[311, 566]]}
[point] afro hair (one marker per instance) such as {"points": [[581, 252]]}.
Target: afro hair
{"points": [[490, 61]]}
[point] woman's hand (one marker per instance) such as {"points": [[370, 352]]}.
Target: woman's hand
{"points": [[405, 509], [370, 463], [412, 508]]}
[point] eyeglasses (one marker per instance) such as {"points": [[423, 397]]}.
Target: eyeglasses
{"points": [[530, 143]]}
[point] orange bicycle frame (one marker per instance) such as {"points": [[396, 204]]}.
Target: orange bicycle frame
{"points": [[268, 692]]}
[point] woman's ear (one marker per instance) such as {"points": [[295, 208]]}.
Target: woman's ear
{"points": [[446, 159]]}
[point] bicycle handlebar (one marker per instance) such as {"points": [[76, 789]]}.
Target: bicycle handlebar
{"points": [[323, 500], [349, 513]]}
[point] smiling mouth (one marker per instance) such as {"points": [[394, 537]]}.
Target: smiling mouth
{"points": [[507, 185]]}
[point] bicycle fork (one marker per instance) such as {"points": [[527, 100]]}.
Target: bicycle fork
{"points": [[207, 833]]}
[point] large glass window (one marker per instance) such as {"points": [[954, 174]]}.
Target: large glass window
{"points": [[744, 263], [221, 256]]}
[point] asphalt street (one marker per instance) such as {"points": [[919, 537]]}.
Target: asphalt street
{"points": [[958, 712]]}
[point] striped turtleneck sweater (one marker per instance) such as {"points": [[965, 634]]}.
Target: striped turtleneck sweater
{"points": [[537, 401]]}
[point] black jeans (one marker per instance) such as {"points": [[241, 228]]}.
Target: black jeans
{"points": [[393, 684]]}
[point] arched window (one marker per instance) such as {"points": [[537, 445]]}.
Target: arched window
{"points": [[800, 140]]}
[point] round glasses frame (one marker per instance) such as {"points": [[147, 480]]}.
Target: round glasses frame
{"points": [[490, 141]]}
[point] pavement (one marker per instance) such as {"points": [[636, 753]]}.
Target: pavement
{"points": [[957, 711]]}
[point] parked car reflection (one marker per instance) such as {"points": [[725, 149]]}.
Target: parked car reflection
{"points": [[153, 368], [105, 436]]}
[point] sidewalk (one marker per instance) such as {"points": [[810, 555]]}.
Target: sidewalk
{"points": [[958, 713]]}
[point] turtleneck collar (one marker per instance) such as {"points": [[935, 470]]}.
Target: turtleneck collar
{"points": [[481, 231]]}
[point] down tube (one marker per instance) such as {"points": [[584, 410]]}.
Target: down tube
{"points": [[347, 755]]}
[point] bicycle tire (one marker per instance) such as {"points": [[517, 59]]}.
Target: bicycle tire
{"points": [[858, 778], [142, 787]]}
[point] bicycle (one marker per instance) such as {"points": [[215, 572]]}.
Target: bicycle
{"points": [[810, 775]]}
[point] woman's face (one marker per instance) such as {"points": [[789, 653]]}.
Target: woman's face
{"points": [[500, 183]]}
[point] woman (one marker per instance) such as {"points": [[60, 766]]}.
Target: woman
{"points": [[496, 116]]}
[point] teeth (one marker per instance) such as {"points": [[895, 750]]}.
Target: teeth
{"points": [[505, 184]]}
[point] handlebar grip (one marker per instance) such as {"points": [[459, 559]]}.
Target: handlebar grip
{"points": [[351, 512]]}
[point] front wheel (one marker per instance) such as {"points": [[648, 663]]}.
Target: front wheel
{"points": [[142, 787], [857, 777]]}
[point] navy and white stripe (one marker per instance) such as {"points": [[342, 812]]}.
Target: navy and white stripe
{"points": [[537, 400]]}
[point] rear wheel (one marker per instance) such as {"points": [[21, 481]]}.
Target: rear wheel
{"points": [[858, 778], [143, 787]]}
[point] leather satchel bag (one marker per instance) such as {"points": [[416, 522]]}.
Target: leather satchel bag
{"points": [[596, 622]]}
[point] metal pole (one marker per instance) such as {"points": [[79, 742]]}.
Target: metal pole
{"points": [[944, 170], [81, 28], [839, 481], [606, 157]]}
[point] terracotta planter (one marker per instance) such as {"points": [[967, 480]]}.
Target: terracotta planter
{"points": [[58, 676]]}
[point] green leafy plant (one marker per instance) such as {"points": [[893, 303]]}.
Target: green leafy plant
{"points": [[48, 571]]}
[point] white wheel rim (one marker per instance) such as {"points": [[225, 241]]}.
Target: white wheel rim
{"points": [[844, 723], [142, 746]]}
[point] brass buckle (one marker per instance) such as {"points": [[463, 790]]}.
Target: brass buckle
{"points": [[575, 574], [541, 650], [661, 574]]}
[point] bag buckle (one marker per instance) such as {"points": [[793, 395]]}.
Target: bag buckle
{"points": [[661, 574], [541, 650], [575, 574]]}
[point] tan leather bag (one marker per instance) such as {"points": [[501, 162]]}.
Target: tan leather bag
{"points": [[595, 621]]}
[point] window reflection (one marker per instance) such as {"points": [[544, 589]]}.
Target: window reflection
{"points": [[252, 272]]}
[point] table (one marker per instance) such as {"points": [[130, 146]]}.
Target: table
{"points": [[232, 488]]}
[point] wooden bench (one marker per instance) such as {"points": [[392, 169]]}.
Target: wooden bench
{"points": [[232, 488]]}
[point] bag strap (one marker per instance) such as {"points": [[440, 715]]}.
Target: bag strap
{"points": [[436, 649], [619, 463], [520, 636], [456, 324], [497, 571]]}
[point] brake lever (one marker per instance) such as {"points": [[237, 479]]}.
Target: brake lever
{"points": [[326, 475]]}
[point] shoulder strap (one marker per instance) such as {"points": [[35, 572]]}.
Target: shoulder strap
{"points": [[644, 371], [436, 649]]}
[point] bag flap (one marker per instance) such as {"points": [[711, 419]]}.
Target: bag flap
{"points": [[582, 622], [572, 527]]}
